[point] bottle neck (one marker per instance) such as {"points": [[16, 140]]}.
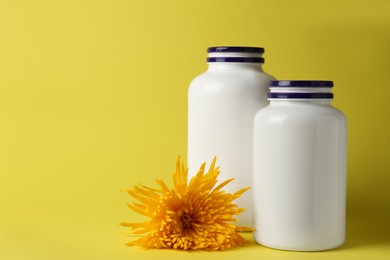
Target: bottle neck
{"points": [[294, 95], [234, 65], [234, 55], [323, 102]]}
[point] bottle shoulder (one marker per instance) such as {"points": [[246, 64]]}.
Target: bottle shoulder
{"points": [[299, 112], [251, 78]]}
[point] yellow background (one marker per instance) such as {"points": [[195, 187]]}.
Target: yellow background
{"points": [[93, 99]]}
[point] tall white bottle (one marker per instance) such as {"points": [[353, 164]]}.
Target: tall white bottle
{"points": [[222, 103], [299, 172]]}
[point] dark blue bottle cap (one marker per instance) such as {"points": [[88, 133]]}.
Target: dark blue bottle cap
{"points": [[296, 95], [244, 49], [236, 59], [302, 83]]}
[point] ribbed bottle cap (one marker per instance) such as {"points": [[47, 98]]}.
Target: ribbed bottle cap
{"points": [[243, 49], [302, 83], [235, 54], [300, 89], [285, 95], [236, 59]]}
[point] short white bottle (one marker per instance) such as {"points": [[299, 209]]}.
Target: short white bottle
{"points": [[299, 168], [222, 103]]}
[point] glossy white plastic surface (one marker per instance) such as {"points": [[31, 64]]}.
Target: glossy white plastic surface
{"points": [[222, 103], [299, 175]]}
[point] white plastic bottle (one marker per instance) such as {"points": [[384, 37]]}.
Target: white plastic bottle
{"points": [[299, 174], [222, 103]]}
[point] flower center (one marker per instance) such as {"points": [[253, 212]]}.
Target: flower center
{"points": [[187, 221]]}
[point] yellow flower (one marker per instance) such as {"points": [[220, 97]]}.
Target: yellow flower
{"points": [[189, 216]]}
